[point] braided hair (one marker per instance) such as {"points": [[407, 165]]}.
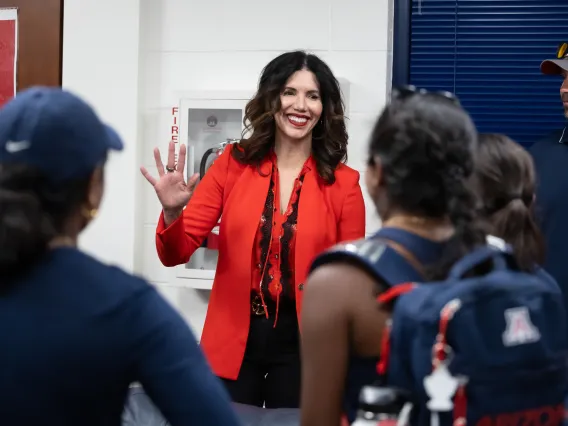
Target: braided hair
{"points": [[426, 144]]}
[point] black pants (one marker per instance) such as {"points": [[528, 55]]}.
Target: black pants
{"points": [[270, 373]]}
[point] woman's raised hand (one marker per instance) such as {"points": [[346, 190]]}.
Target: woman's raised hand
{"points": [[171, 188]]}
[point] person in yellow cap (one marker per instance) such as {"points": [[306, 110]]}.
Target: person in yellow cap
{"points": [[550, 156]]}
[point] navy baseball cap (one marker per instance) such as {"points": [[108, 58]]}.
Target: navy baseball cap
{"points": [[55, 131], [559, 64]]}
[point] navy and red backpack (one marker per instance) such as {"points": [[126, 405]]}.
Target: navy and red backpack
{"points": [[500, 334], [488, 346]]}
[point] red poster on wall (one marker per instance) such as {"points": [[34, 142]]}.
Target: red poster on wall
{"points": [[8, 53]]}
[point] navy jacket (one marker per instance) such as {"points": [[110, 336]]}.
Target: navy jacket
{"points": [[76, 333], [551, 162]]}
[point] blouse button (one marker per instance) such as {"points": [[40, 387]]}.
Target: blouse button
{"points": [[271, 277], [259, 266], [276, 256], [301, 286]]}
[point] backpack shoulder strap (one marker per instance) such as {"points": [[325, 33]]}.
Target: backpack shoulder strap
{"points": [[395, 292], [388, 298], [407, 255], [376, 257]]}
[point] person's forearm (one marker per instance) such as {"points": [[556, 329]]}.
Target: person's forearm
{"points": [[170, 216]]}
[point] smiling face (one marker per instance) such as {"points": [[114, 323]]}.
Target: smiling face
{"points": [[301, 106]]}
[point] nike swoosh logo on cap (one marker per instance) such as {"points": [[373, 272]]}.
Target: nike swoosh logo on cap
{"points": [[17, 146]]}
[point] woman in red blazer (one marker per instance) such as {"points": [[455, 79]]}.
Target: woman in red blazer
{"points": [[285, 196]]}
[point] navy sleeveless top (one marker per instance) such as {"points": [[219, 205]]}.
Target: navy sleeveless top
{"points": [[362, 371]]}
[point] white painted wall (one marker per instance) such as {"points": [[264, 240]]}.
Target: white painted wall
{"points": [[100, 62], [132, 58]]}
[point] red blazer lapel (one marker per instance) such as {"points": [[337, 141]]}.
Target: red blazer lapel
{"points": [[244, 208]]}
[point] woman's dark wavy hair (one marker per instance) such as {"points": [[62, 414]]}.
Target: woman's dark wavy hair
{"points": [[32, 213], [330, 135], [426, 144], [505, 179]]}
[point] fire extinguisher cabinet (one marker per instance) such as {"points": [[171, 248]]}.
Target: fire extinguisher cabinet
{"points": [[208, 121]]}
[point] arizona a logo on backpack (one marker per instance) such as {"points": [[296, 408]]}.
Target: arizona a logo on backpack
{"points": [[482, 348]]}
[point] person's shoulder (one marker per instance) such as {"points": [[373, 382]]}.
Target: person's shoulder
{"points": [[226, 167], [130, 282], [342, 280], [343, 171], [346, 177], [544, 143], [541, 273], [109, 280], [229, 156]]}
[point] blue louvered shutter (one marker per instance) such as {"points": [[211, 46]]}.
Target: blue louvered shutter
{"points": [[488, 53], [433, 44]]}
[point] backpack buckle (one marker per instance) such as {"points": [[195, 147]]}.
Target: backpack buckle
{"points": [[441, 351]]}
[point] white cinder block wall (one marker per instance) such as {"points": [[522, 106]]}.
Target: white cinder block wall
{"points": [[100, 63], [188, 45]]}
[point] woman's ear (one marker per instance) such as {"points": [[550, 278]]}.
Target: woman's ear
{"points": [[374, 177], [96, 188]]}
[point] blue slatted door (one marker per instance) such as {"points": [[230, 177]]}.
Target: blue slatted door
{"points": [[488, 52], [500, 45], [433, 44]]}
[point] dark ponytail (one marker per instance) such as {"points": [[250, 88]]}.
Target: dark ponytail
{"points": [[469, 230], [426, 144], [505, 180], [32, 213]]}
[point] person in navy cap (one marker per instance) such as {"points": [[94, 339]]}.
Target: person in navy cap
{"points": [[74, 332], [550, 158]]}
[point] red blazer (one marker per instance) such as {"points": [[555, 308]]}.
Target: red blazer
{"points": [[327, 214]]}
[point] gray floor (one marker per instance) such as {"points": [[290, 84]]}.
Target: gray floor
{"points": [[140, 411]]}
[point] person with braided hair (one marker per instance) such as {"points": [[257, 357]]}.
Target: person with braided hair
{"points": [[420, 161]]}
